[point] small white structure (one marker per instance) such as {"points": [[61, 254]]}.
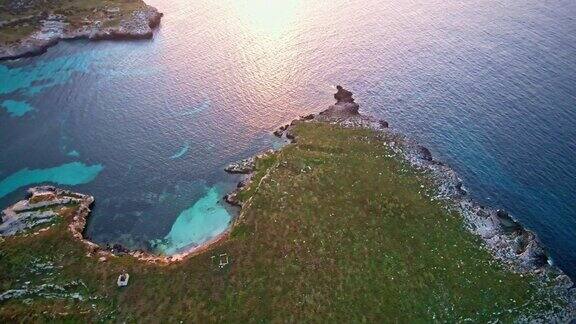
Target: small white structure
{"points": [[123, 279], [223, 260]]}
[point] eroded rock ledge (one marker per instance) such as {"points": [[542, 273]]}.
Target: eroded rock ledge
{"points": [[51, 27], [43, 206]]}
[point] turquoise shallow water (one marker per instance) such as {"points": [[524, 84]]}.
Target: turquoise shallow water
{"points": [[16, 108], [43, 75], [203, 221], [488, 86], [74, 173]]}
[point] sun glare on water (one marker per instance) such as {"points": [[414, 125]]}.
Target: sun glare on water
{"points": [[268, 30], [268, 17]]}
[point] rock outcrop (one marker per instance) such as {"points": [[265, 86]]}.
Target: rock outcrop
{"points": [[247, 167], [345, 106], [342, 95], [280, 131], [241, 167], [41, 207]]}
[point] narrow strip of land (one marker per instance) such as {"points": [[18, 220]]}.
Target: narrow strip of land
{"points": [[28, 28]]}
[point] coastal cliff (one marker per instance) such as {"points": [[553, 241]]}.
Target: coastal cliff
{"points": [[29, 28]]}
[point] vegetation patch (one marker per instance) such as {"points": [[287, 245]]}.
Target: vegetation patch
{"points": [[19, 19]]}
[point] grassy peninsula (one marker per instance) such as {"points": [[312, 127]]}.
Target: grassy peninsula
{"points": [[334, 227]]}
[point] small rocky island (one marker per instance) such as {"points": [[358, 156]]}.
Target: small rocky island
{"points": [[351, 222], [29, 27]]}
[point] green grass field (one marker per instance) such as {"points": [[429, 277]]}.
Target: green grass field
{"points": [[334, 228]]}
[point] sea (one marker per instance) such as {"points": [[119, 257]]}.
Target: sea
{"points": [[147, 126]]}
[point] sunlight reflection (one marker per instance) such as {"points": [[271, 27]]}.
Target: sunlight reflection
{"points": [[268, 17], [263, 39], [271, 28]]}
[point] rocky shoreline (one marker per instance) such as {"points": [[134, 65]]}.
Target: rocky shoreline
{"points": [[41, 207], [55, 27], [517, 247]]}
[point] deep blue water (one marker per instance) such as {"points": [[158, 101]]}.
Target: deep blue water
{"points": [[147, 126]]}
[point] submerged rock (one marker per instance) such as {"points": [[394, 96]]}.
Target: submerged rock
{"points": [[425, 153], [507, 223], [232, 199]]}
